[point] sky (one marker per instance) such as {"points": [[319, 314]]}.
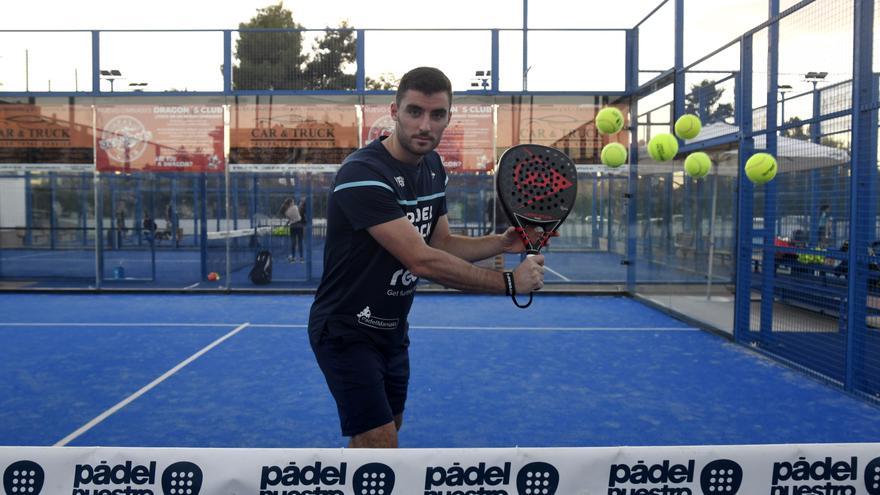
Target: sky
{"points": [[558, 61]]}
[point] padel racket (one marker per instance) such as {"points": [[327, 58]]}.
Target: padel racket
{"points": [[536, 187]]}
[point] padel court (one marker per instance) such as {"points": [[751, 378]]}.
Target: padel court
{"points": [[237, 371]]}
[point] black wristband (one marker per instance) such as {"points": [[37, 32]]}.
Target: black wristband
{"points": [[509, 285]]}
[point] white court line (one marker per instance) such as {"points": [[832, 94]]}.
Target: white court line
{"points": [[104, 415], [554, 272], [412, 327]]}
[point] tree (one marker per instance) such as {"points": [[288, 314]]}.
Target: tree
{"points": [[386, 81], [270, 59], [335, 52], [702, 101], [277, 59], [795, 132]]}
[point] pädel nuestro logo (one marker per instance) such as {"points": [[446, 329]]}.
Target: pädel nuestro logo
{"points": [[535, 478], [719, 477], [374, 478], [872, 477], [826, 476], [182, 478], [131, 478], [23, 477]]}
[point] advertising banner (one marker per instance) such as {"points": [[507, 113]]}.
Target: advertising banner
{"points": [[42, 134], [160, 138], [840, 469], [467, 142], [278, 134]]}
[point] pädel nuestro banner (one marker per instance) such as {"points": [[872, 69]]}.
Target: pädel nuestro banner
{"points": [[160, 138], [825, 469], [46, 134], [467, 142]]}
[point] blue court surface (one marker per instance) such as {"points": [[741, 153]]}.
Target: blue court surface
{"points": [[237, 371]]}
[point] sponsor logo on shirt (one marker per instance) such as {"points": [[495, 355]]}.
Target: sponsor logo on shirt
{"points": [[366, 318]]}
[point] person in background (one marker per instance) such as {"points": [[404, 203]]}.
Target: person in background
{"points": [[290, 211]]}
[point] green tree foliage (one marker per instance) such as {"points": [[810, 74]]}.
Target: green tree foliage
{"points": [[335, 52], [386, 81], [277, 59], [702, 101]]}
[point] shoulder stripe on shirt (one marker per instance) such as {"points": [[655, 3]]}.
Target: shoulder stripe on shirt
{"points": [[362, 184], [365, 183]]}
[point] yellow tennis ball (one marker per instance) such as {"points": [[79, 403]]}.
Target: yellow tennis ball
{"points": [[697, 164], [688, 126], [613, 155], [609, 120], [761, 168], [663, 147]]}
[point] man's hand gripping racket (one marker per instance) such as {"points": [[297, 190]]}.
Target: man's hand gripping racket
{"points": [[537, 188]]}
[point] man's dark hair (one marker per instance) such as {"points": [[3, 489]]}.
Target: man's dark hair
{"points": [[427, 80]]}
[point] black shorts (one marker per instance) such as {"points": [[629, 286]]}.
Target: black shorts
{"points": [[369, 384]]}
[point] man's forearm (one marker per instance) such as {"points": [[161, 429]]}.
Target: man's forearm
{"points": [[449, 270], [473, 248]]}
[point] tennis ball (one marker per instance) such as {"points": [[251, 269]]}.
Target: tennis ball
{"points": [[663, 147], [697, 164], [609, 120], [688, 126], [761, 168], [613, 155]]}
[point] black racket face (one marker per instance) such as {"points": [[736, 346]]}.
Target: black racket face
{"points": [[536, 184]]}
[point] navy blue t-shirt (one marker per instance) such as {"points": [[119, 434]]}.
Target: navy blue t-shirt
{"points": [[366, 292]]}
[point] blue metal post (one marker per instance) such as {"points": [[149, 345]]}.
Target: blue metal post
{"points": [[96, 63], [496, 50], [593, 212], [360, 77], [679, 86], [863, 173], [771, 196], [203, 223], [633, 177], [83, 210], [815, 137], [745, 196], [227, 61], [53, 221]]}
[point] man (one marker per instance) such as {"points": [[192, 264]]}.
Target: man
{"points": [[386, 228]]}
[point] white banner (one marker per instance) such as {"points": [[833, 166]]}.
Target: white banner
{"points": [[824, 469], [69, 168], [287, 168]]}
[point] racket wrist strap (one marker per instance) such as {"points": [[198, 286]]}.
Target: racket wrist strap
{"points": [[509, 284], [510, 290]]}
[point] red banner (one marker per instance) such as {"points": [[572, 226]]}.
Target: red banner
{"points": [[160, 138], [467, 142]]}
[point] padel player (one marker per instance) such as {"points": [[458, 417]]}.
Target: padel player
{"points": [[386, 228]]}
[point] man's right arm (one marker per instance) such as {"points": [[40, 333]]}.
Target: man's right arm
{"points": [[404, 242]]}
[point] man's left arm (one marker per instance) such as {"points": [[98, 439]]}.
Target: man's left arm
{"points": [[474, 248]]}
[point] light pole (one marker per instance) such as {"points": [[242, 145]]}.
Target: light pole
{"points": [[815, 77], [111, 75], [783, 88]]}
